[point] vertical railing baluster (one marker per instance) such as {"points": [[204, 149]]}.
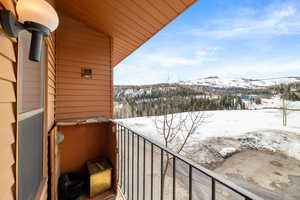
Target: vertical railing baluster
{"points": [[190, 182], [124, 160], [144, 166], [132, 167], [138, 167], [128, 163], [213, 189], [118, 154], [151, 171], [121, 155], [174, 177], [161, 174]]}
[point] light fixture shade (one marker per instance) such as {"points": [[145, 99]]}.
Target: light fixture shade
{"points": [[38, 11]]}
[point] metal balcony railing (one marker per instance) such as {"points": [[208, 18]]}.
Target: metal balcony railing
{"points": [[141, 164]]}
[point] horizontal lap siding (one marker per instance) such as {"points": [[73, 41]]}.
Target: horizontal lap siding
{"points": [[77, 47], [50, 97], [7, 110], [51, 78]]}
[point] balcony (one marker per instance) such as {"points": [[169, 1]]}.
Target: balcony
{"points": [[147, 170]]}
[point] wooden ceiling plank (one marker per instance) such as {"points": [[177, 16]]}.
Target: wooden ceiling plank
{"points": [[148, 7], [118, 17], [163, 7], [104, 13], [188, 2], [140, 14], [129, 15], [177, 5]]}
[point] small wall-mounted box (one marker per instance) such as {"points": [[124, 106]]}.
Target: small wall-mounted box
{"points": [[86, 73]]}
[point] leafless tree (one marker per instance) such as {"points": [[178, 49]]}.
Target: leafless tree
{"points": [[176, 128], [284, 92]]}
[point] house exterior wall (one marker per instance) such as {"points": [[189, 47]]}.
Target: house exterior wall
{"points": [[78, 47], [7, 110]]}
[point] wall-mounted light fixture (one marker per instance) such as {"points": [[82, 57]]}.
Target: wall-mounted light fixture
{"points": [[86, 73], [35, 16]]}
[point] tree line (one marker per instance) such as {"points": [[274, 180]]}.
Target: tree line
{"points": [[157, 102]]}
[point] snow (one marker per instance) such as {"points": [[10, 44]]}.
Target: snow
{"points": [[226, 123], [225, 152], [275, 102], [240, 83], [261, 129]]}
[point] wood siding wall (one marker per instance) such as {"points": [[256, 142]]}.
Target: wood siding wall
{"points": [[78, 47], [50, 85], [93, 144], [7, 110]]}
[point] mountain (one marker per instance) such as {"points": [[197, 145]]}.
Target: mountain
{"points": [[210, 93], [212, 84], [217, 82]]}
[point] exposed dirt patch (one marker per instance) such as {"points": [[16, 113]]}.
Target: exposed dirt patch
{"points": [[276, 163], [278, 176], [277, 173]]}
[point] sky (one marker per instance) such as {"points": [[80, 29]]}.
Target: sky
{"points": [[225, 38]]}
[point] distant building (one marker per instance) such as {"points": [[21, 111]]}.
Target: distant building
{"points": [[246, 97]]}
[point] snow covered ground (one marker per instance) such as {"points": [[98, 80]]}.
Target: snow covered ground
{"points": [[261, 129], [274, 102]]}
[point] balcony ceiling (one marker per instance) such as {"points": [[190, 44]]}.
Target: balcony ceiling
{"points": [[130, 23]]}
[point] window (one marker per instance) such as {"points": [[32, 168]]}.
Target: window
{"points": [[30, 136]]}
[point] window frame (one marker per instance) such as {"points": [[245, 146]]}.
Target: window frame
{"points": [[25, 115]]}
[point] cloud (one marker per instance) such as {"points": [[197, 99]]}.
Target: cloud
{"points": [[158, 66], [275, 21], [174, 56], [262, 69], [165, 59]]}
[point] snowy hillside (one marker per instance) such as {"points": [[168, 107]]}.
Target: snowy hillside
{"points": [[218, 82]]}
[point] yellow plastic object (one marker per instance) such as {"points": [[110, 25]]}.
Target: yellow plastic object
{"points": [[100, 172]]}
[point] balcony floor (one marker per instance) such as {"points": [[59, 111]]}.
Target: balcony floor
{"points": [[109, 195]]}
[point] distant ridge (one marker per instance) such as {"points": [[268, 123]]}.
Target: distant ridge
{"points": [[217, 82]]}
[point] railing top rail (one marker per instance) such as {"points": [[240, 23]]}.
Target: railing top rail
{"points": [[216, 177]]}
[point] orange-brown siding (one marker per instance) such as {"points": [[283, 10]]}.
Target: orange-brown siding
{"points": [[7, 110], [50, 82], [78, 47], [93, 144]]}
